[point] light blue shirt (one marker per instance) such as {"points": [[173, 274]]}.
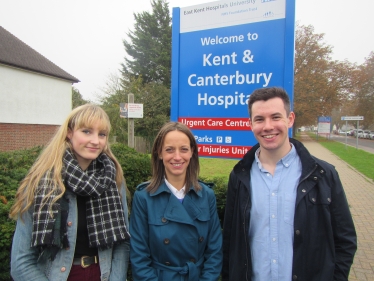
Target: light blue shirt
{"points": [[271, 220]]}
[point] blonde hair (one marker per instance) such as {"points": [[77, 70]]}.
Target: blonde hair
{"points": [[50, 159]]}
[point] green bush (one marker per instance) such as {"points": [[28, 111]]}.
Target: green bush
{"points": [[14, 166], [220, 190], [136, 166]]}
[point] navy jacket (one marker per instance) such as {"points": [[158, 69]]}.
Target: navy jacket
{"points": [[324, 234]]}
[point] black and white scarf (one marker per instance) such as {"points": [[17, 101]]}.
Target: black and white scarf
{"points": [[104, 210]]}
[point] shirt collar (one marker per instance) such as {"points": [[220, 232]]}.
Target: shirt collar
{"points": [[286, 161], [290, 157], [178, 193]]}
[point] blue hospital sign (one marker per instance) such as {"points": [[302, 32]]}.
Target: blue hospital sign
{"points": [[221, 52]]}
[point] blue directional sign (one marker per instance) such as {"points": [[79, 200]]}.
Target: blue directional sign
{"points": [[221, 52], [324, 119]]}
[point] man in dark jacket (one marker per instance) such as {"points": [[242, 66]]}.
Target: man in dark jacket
{"points": [[287, 216]]}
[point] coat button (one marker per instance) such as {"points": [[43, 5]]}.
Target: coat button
{"points": [[329, 199], [164, 220], [166, 241], [63, 269], [167, 263], [314, 199], [70, 223], [294, 277], [192, 260], [315, 178], [303, 190], [297, 232], [322, 171], [201, 239]]}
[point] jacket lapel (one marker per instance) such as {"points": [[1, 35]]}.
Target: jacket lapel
{"points": [[175, 211]]}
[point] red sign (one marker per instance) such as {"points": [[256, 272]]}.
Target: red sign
{"points": [[225, 151], [237, 124]]}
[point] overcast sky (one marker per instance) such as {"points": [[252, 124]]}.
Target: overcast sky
{"points": [[84, 37]]}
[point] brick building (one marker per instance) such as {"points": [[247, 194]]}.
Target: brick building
{"points": [[35, 95]]}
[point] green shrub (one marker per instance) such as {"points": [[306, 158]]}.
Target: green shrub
{"points": [[136, 166], [220, 189], [14, 166]]}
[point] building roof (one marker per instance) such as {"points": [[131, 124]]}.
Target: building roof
{"points": [[15, 53]]}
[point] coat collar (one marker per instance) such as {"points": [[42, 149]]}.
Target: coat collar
{"points": [[185, 212], [308, 162], [164, 188]]}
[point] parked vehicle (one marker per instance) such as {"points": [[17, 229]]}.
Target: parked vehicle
{"points": [[352, 132], [371, 135], [359, 133], [340, 132], [366, 134]]}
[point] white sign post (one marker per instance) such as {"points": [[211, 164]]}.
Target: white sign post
{"points": [[324, 125], [131, 110], [351, 118]]}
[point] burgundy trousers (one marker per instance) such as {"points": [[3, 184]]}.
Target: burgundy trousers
{"points": [[91, 273]]}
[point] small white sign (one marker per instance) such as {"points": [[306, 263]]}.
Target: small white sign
{"points": [[131, 110], [323, 128], [352, 118]]}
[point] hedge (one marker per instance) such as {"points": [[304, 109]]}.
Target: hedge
{"points": [[14, 166]]}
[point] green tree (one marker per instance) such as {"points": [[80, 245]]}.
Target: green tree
{"points": [[77, 98], [156, 103], [149, 45], [365, 93], [320, 83], [114, 94], [155, 98]]}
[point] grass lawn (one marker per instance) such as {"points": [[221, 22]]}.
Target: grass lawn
{"points": [[216, 167], [361, 160]]}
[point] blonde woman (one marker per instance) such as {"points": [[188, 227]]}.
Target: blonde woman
{"points": [[71, 207]]}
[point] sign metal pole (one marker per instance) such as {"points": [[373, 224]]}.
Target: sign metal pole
{"points": [[130, 141]]}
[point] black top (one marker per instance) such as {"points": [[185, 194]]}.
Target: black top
{"points": [[82, 246]]}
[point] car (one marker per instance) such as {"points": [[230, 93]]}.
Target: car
{"points": [[371, 135], [359, 133], [341, 132], [366, 134], [352, 132]]}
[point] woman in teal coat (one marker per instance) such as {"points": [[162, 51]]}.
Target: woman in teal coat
{"points": [[174, 226]]}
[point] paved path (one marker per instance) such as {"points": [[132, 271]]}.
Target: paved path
{"points": [[360, 194]]}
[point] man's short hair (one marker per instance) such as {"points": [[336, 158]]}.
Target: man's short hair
{"points": [[264, 94]]}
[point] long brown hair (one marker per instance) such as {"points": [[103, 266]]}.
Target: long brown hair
{"points": [[50, 159], [158, 168]]}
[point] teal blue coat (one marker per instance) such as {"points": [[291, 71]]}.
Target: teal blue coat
{"points": [[175, 241]]}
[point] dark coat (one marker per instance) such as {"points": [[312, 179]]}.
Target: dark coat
{"points": [[324, 234], [175, 241]]}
